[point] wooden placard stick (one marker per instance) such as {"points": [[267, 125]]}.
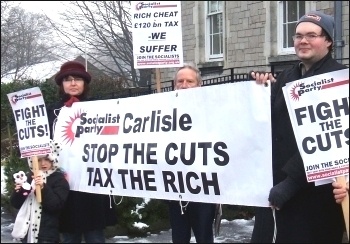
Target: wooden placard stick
{"points": [[345, 203], [158, 80], [36, 172]]}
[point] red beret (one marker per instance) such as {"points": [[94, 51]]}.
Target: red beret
{"points": [[73, 68]]}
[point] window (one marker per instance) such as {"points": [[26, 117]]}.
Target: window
{"points": [[214, 30], [289, 13]]}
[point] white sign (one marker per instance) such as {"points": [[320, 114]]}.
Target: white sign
{"points": [[157, 34], [207, 144], [319, 111], [31, 121]]}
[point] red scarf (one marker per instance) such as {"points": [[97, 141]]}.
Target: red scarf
{"points": [[71, 100]]}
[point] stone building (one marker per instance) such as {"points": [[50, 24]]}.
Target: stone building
{"points": [[221, 36]]}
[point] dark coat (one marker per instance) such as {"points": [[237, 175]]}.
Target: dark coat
{"points": [[54, 195], [87, 211], [84, 211], [312, 215]]}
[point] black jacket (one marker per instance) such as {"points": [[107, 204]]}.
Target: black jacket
{"points": [[286, 156], [84, 211], [54, 195], [312, 215]]}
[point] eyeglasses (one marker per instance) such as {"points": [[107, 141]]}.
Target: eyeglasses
{"points": [[308, 37], [76, 79]]}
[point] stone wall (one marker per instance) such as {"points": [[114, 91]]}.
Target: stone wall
{"points": [[250, 34]]}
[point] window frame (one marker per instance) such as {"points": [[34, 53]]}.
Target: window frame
{"points": [[208, 43], [309, 5]]}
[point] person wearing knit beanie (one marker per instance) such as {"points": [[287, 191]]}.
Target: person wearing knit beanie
{"points": [[300, 211], [326, 22]]}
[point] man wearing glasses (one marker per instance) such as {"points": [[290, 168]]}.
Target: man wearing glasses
{"points": [[300, 212]]}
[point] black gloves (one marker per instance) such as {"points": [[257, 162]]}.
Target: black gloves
{"points": [[282, 192]]}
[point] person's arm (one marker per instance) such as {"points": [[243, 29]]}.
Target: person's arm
{"points": [[340, 192], [54, 196], [289, 187]]}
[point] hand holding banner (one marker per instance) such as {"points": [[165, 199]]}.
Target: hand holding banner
{"points": [[36, 172], [345, 204]]}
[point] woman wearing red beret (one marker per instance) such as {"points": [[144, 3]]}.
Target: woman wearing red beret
{"points": [[84, 214]]}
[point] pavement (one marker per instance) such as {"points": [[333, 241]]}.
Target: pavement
{"points": [[236, 231]]}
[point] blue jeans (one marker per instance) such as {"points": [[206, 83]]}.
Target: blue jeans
{"points": [[93, 236], [197, 216]]}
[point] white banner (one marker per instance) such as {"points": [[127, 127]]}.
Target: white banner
{"points": [[157, 34], [319, 111], [207, 144], [31, 121]]}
